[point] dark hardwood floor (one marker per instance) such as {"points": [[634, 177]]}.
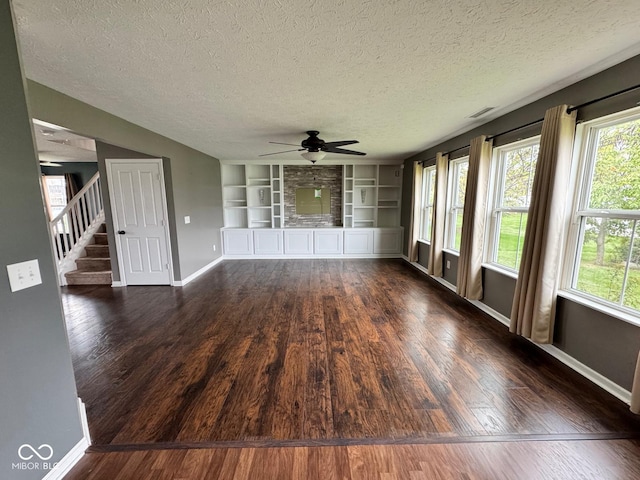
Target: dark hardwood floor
{"points": [[317, 352]]}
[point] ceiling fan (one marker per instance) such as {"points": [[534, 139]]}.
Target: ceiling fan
{"points": [[316, 148]]}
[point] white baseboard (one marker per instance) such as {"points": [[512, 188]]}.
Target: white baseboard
{"points": [[193, 276], [83, 421], [116, 284], [74, 455], [587, 372], [67, 462]]}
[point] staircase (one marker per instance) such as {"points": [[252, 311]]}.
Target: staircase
{"points": [[95, 267]]}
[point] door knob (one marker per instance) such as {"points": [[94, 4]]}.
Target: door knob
{"points": [[121, 232]]}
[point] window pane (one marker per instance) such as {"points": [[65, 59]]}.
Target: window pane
{"points": [[57, 191], [458, 238], [426, 223], [616, 173], [519, 169], [632, 290], [605, 248], [432, 187], [462, 169], [511, 238]]}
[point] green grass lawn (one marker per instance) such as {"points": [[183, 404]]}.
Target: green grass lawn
{"points": [[604, 281]]}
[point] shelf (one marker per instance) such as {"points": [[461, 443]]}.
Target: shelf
{"points": [[235, 186], [364, 182]]}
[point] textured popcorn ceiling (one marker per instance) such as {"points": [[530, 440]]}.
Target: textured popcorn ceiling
{"points": [[225, 77]]}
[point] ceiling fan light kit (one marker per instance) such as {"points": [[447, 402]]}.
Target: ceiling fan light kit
{"points": [[313, 157], [317, 149]]}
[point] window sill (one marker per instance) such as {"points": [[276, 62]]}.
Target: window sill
{"points": [[451, 252], [499, 269], [424, 242], [600, 307]]}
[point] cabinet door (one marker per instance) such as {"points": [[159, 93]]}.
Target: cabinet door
{"points": [[358, 241], [237, 242], [387, 240], [298, 242], [267, 241], [327, 242]]}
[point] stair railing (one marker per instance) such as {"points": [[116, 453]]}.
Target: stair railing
{"points": [[77, 222]]}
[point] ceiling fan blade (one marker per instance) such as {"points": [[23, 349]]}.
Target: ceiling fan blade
{"points": [[340, 144], [286, 151], [342, 150], [292, 144]]}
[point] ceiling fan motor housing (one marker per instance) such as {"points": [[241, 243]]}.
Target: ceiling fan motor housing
{"points": [[313, 143]]}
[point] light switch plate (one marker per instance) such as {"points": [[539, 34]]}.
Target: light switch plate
{"points": [[24, 275], [187, 219]]}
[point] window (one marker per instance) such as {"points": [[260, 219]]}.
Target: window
{"points": [[514, 167], [606, 232], [457, 184], [426, 209], [55, 194]]}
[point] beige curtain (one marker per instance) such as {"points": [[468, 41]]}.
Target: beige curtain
{"points": [[473, 219], [534, 302], [416, 201], [635, 390], [438, 215]]}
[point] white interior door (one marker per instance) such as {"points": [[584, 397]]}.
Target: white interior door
{"points": [[140, 221]]}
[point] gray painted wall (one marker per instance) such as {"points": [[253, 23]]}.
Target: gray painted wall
{"points": [[37, 387], [195, 186], [607, 345], [423, 254]]}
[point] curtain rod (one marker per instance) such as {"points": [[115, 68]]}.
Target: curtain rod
{"points": [[569, 110], [445, 153]]}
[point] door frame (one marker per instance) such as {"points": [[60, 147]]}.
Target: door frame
{"points": [[165, 212]]}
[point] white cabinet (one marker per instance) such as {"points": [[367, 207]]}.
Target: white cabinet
{"points": [[298, 241], [327, 242], [387, 240], [358, 241], [237, 241], [312, 242], [268, 241]]}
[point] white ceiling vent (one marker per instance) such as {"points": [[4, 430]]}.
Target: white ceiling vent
{"points": [[479, 113]]}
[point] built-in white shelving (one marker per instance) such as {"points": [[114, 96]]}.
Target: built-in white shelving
{"points": [[251, 194], [372, 195], [253, 203]]}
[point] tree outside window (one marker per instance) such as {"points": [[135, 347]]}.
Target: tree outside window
{"points": [[514, 170], [608, 255]]}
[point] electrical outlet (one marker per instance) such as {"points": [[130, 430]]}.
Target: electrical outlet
{"points": [[448, 264], [187, 219], [214, 247], [24, 275]]}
